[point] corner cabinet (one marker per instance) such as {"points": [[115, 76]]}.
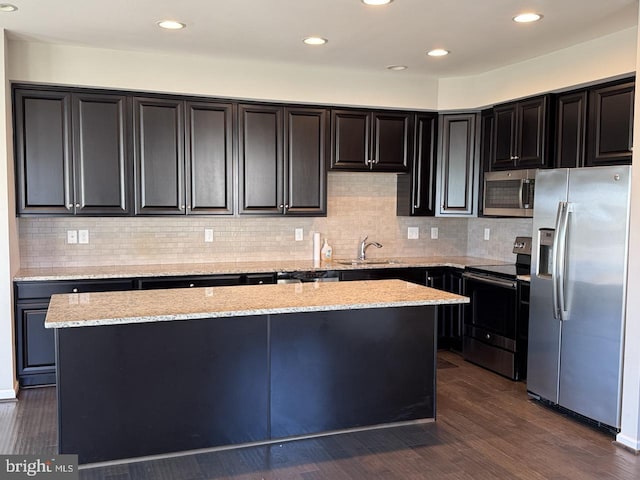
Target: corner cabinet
{"points": [[610, 135], [458, 164], [72, 153], [520, 138], [282, 160], [417, 189], [183, 165], [371, 140]]}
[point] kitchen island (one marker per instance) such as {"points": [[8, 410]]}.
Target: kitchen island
{"points": [[160, 371]]}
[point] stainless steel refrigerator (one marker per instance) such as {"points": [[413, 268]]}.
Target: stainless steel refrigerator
{"points": [[578, 289]]}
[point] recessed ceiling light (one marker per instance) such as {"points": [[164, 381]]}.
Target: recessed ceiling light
{"points": [[397, 68], [171, 25], [315, 40], [527, 17], [438, 52], [376, 2], [7, 7]]}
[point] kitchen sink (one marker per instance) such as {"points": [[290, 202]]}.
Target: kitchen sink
{"points": [[373, 261]]}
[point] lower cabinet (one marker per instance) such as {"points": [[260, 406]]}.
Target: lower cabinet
{"points": [[35, 345], [414, 275], [522, 333], [450, 317]]}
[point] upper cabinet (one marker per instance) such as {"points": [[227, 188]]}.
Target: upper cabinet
{"points": [[610, 137], [595, 125], [72, 153], [520, 136], [371, 140], [458, 164], [571, 128], [174, 177], [417, 189], [282, 153]]}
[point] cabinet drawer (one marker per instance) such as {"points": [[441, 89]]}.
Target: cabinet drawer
{"points": [[187, 282], [32, 290], [260, 278]]}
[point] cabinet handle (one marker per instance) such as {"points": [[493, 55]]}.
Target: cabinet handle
{"points": [[181, 207], [191, 285], [189, 207], [75, 290], [516, 157], [70, 205], [281, 205], [261, 282], [286, 207]]}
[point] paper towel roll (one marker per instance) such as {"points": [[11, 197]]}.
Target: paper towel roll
{"points": [[316, 249]]}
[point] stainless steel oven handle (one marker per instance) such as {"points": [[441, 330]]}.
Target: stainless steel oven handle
{"points": [[498, 282]]}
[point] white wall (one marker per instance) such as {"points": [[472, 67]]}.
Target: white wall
{"points": [[602, 58], [630, 432], [9, 255], [58, 64]]}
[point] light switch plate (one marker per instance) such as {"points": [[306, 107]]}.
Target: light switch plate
{"points": [[413, 233], [299, 234], [487, 233], [72, 236], [434, 233], [208, 235], [83, 236]]}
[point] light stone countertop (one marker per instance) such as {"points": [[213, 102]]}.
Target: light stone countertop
{"points": [[187, 269], [140, 306]]}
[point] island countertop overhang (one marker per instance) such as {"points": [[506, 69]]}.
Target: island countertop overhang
{"points": [[143, 306]]}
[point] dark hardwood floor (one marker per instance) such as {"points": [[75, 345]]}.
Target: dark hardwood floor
{"points": [[486, 428]]}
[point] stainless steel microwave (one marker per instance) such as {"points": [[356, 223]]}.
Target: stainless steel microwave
{"points": [[509, 193]]}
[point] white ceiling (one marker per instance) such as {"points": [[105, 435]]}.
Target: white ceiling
{"points": [[479, 33]]}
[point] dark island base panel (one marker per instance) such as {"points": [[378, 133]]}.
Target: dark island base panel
{"points": [[134, 390]]}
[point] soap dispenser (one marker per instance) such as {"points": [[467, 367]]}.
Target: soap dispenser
{"points": [[326, 252]]}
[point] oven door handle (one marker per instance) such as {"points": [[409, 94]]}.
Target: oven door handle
{"points": [[498, 282]]}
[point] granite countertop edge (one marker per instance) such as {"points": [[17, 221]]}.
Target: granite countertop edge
{"points": [[221, 268]]}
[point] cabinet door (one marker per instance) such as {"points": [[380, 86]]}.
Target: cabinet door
{"points": [[417, 190], [486, 152], [611, 125], [103, 174], [437, 278], [458, 164], [305, 157], [35, 345], [455, 312], [504, 135], [43, 152], [350, 141], [530, 135], [260, 138], [391, 141], [571, 129], [209, 157], [159, 150]]}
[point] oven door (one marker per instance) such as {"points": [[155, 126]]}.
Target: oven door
{"points": [[491, 315]]}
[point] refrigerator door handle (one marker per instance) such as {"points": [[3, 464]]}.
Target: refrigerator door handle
{"points": [[562, 262], [554, 260]]}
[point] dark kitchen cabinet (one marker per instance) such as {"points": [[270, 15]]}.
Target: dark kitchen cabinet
{"points": [[282, 160], [571, 128], [450, 317], [184, 155], [191, 281], [159, 152], [486, 152], [415, 275], [371, 141], [417, 189], [522, 334], [520, 138], [35, 344], [458, 164], [72, 153], [610, 134]]}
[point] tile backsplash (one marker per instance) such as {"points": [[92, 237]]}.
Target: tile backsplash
{"points": [[358, 204]]}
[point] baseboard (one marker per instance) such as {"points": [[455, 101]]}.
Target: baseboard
{"points": [[10, 393], [628, 443]]}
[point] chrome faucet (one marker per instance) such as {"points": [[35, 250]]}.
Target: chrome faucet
{"points": [[362, 255]]}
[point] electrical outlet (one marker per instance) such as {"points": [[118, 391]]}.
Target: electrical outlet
{"points": [[83, 236], [208, 235], [434, 233], [299, 234], [487, 233], [413, 233], [72, 236]]}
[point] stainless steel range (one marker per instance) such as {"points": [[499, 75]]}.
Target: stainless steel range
{"points": [[495, 335]]}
